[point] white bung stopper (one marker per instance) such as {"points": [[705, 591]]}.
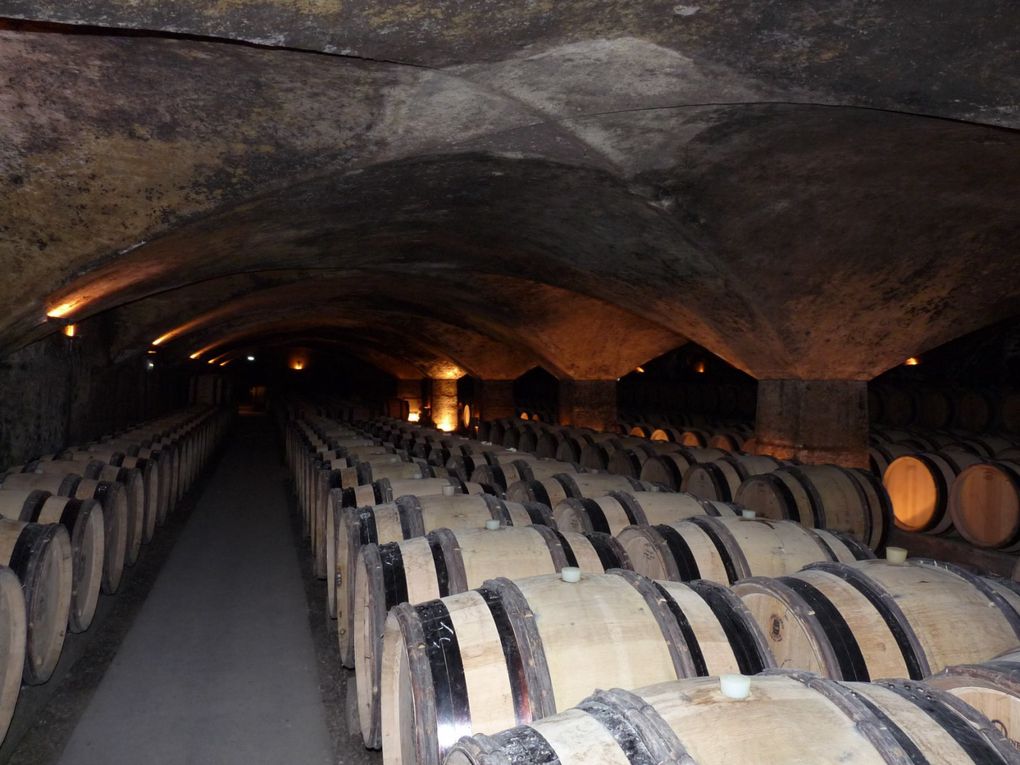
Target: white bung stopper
{"points": [[570, 574], [449, 490], [492, 525], [735, 686], [749, 515], [896, 555]]}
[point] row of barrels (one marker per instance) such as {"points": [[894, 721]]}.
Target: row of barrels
{"points": [[510, 650], [439, 558], [932, 407], [778, 716], [69, 524]]}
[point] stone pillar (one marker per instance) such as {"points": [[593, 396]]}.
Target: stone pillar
{"points": [[588, 403], [814, 421], [444, 404], [496, 400], [410, 391]]}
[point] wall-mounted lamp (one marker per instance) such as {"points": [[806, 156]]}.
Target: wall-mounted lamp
{"points": [[413, 416], [70, 330], [251, 358], [639, 370], [913, 361], [699, 367]]}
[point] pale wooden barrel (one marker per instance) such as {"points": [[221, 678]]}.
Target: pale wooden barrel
{"points": [[447, 562], [721, 478], [498, 477], [161, 466], [130, 479], [13, 631], [984, 505], [918, 487], [991, 687], [628, 460], [823, 497], [40, 555], [486, 659], [386, 490], [83, 519], [553, 490], [408, 517], [146, 472], [788, 717], [874, 619], [617, 510], [727, 550], [111, 497], [669, 467]]}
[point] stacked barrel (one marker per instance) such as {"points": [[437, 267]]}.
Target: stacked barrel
{"points": [[70, 522], [502, 599]]}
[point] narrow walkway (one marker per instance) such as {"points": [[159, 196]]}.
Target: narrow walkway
{"points": [[219, 667]]}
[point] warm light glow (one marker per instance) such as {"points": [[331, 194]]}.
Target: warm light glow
{"points": [[151, 352], [413, 416], [71, 330], [211, 361], [64, 309], [224, 363], [699, 367], [297, 365], [162, 338], [195, 355], [447, 424], [639, 370], [913, 361], [524, 416]]}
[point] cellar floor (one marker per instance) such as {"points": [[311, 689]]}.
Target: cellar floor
{"points": [[228, 658]]}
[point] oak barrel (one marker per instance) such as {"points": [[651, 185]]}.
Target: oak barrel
{"points": [[918, 487], [787, 717], [720, 479], [984, 504], [83, 519], [991, 687], [553, 490], [13, 630], [407, 517], [823, 497], [40, 554], [512, 652], [617, 510], [669, 467], [726, 550], [447, 562], [874, 619]]}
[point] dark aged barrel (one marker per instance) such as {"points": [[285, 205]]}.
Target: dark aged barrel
{"points": [[508, 652], [984, 505], [407, 517], [41, 557], [617, 510], [553, 490], [918, 487], [498, 477], [787, 717], [822, 497], [83, 519], [991, 687], [669, 467], [875, 619], [721, 478], [726, 550], [13, 629], [447, 562]]}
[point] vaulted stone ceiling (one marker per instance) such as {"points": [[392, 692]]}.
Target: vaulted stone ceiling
{"points": [[811, 190]]}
